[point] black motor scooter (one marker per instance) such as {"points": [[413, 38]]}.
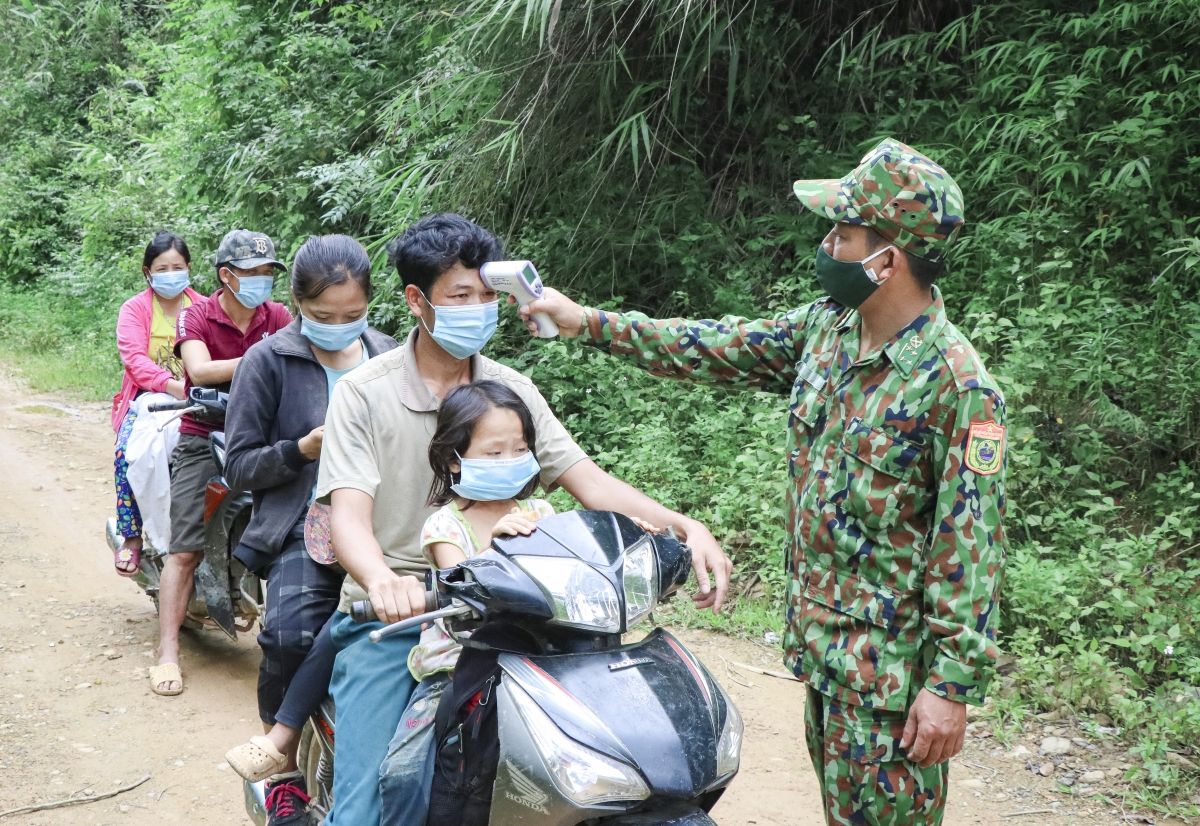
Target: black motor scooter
{"points": [[591, 730], [226, 596]]}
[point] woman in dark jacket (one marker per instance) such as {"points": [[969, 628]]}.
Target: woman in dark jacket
{"points": [[274, 429]]}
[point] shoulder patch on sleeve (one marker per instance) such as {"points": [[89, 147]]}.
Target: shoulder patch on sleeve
{"points": [[985, 448]]}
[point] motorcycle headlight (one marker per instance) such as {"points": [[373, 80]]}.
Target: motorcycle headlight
{"points": [[729, 747], [640, 581], [584, 776], [581, 596]]}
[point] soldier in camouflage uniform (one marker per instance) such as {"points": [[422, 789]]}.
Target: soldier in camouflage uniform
{"points": [[896, 456]]}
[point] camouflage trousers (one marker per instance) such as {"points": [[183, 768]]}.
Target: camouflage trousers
{"points": [[865, 778]]}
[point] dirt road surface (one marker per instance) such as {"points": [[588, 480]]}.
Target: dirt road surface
{"points": [[76, 715]]}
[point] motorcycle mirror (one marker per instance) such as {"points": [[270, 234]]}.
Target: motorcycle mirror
{"points": [[674, 562]]}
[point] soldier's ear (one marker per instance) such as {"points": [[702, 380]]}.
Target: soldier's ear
{"points": [[883, 264]]}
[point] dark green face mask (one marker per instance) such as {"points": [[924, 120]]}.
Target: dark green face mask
{"points": [[849, 283]]}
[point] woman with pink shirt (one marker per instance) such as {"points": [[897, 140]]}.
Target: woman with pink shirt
{"points": [[146, 342]]}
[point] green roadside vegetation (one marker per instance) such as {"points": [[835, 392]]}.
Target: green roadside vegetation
{"points": [[642, 153], [59, 345]]}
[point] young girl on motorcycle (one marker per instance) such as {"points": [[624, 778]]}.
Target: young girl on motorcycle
{"points": [[484, 473]]}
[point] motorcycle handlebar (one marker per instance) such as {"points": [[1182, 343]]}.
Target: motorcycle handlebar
{"points": [[361, 610], [456, 609], [161, 407]]}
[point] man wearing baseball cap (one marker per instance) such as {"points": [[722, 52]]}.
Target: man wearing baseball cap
{"points": [[211, 337], [896, 458]]}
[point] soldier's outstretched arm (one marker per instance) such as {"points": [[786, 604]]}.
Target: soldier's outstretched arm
{"points": [[758, 353]]}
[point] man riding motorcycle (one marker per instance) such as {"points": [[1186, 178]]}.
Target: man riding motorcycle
{"points": [[374, 472], [211, 337]]}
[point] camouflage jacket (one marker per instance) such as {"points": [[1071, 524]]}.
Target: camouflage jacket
{"points": [[896, 462]]}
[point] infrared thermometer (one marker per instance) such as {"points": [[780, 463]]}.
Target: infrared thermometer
{"points": [[519, 279]]}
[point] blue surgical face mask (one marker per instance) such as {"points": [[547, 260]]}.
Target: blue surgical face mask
{"points": [[462, 331], [169, 284], [494, 480], [332, 337], [255, 289]]}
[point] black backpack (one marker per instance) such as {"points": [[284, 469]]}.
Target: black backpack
{"points": [[467, 743]]}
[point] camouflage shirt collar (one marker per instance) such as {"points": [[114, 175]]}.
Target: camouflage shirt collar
{"points": [[848, 319], [907, 347]]}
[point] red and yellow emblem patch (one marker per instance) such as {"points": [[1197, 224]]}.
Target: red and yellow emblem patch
{"points": [[985, 448]]}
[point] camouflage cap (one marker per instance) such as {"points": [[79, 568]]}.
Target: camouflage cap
{"points": [[898, 192], [246, 250]]}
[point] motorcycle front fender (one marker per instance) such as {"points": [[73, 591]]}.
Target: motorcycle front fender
{"points": [[681, 816], [222, 509], [673, 737], [649, 705]]}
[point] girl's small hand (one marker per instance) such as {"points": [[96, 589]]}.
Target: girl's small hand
{"points": [[512, 524]]}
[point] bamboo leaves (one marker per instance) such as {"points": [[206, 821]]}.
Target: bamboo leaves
{"points": [[633, 134]]}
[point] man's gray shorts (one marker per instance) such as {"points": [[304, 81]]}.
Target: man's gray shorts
{"points": [[192, 465]]}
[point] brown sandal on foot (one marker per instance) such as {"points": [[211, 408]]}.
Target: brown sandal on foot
{"points": [[166, 673]]}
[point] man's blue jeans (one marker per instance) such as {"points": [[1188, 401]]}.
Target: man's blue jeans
{"points": [[370, 686], [407, 771]]}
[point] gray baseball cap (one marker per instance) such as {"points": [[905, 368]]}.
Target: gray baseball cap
{"points": [[247, 250]]}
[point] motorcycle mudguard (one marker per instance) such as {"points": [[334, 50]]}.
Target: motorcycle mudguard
{"points": [[213, 588], [212, 576], [650, 705], [681, 816]]}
